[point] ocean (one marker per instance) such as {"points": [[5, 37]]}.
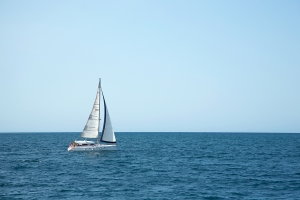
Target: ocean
{"points": [[152, 166]]}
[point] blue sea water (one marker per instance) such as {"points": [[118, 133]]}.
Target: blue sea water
{"points": [[152, 166]]}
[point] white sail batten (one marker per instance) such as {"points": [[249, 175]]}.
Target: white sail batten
{"points": [[108, 134], [91, 128]]}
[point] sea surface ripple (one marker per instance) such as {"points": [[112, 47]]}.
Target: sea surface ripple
{"points": [[152, 166]]}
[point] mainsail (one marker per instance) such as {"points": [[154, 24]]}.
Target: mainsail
{"points": [[91, 128], [108, 134]]}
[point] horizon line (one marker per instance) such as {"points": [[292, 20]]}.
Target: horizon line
{"points": [[150, 132]]}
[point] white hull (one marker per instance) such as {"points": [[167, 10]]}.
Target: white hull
{"points": [[96, 147]]}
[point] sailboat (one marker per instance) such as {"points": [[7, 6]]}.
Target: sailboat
{"points": [[106, 140]]}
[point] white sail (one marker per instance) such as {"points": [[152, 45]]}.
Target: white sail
{"points": [[108, 134], [91, 128]]}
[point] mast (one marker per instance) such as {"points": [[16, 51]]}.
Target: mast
{"points": [[99, 86]]}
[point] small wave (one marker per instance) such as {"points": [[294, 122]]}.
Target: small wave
{"points": [[30, 160], [213, 198]]}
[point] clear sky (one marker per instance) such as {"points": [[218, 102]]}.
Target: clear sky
{"points": [[166, 65]]}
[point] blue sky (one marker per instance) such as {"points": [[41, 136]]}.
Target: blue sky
{"points": [[165, 65]]}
